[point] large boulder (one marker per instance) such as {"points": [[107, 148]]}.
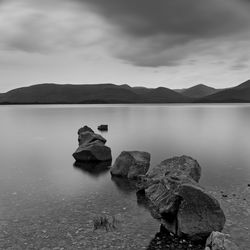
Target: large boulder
{"points": [[131, 164], [178, 167], [175, 197], [220, 241], [199, 213], [91, 146]]}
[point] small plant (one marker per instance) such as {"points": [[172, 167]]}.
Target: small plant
{"points": [[104, 221]]}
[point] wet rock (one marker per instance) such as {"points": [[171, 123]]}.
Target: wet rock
{"points": [[85, 138], [91, 146], [85, 129], [94, 151], [220, 241], [175, 196], [131, 164], [177, 167], [199, 213], [103, 127]]}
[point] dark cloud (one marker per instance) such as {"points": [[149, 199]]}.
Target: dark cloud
{"points": [[151, 29], [147, 33], [186, 17]]}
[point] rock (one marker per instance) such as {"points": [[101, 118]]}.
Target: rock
{"points": [[199, 213], [85, 129], [85, 138], [93, 151], [220, 241], [91, 146], [175, 196], [177, 166], [103, 127], [131, 164]]}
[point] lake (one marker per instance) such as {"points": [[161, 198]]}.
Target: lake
{"points": [[47, 203]]}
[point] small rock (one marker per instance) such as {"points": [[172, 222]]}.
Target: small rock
{"points": [[103, 127], [220, 241]]}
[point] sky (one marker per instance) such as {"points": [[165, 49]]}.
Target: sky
{"points": [[169, 43]]}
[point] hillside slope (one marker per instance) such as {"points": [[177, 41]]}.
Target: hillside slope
{"points": [[240, 93], [199, 91], [89, 93]]}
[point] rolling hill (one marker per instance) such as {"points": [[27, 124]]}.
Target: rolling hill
{"points": [[199, 91], [50, 93], [240, 93]]}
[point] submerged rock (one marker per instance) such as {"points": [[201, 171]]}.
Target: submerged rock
{"points": [[174, 195], [94, 168], [131, 164], [91, 146], [220, 241]]}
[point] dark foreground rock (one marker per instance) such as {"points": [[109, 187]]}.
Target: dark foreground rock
{"points": [[131, 164], [91, 146], [168, 241], [174, 196], [220, 241]]}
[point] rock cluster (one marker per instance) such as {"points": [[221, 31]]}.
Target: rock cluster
{"points": [[172, 193], [175, 197], [91, 146]]}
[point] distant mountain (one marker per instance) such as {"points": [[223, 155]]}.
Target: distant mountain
{"points": [[240, 93], [198, 91], [50, 93]]}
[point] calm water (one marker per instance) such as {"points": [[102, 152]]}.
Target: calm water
{"points": [[46, 203]]}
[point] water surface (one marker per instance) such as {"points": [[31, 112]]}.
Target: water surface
{"points": [[45, 202]]}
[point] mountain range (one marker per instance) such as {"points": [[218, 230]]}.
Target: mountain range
{"points": [[50, 93]]}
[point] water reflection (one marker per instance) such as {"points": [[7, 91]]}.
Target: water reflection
{"points": [[37, 143], [124, 185], [93, 168]]}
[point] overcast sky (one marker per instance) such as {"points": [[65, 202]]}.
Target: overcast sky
{"points": [[171, 43]]}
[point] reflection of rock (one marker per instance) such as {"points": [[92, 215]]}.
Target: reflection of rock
{"points": [[220, 241], [125, 185], [93, 168], [91, 146], [103, 127], [131, 164], [168, 241], [175, 196]]}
